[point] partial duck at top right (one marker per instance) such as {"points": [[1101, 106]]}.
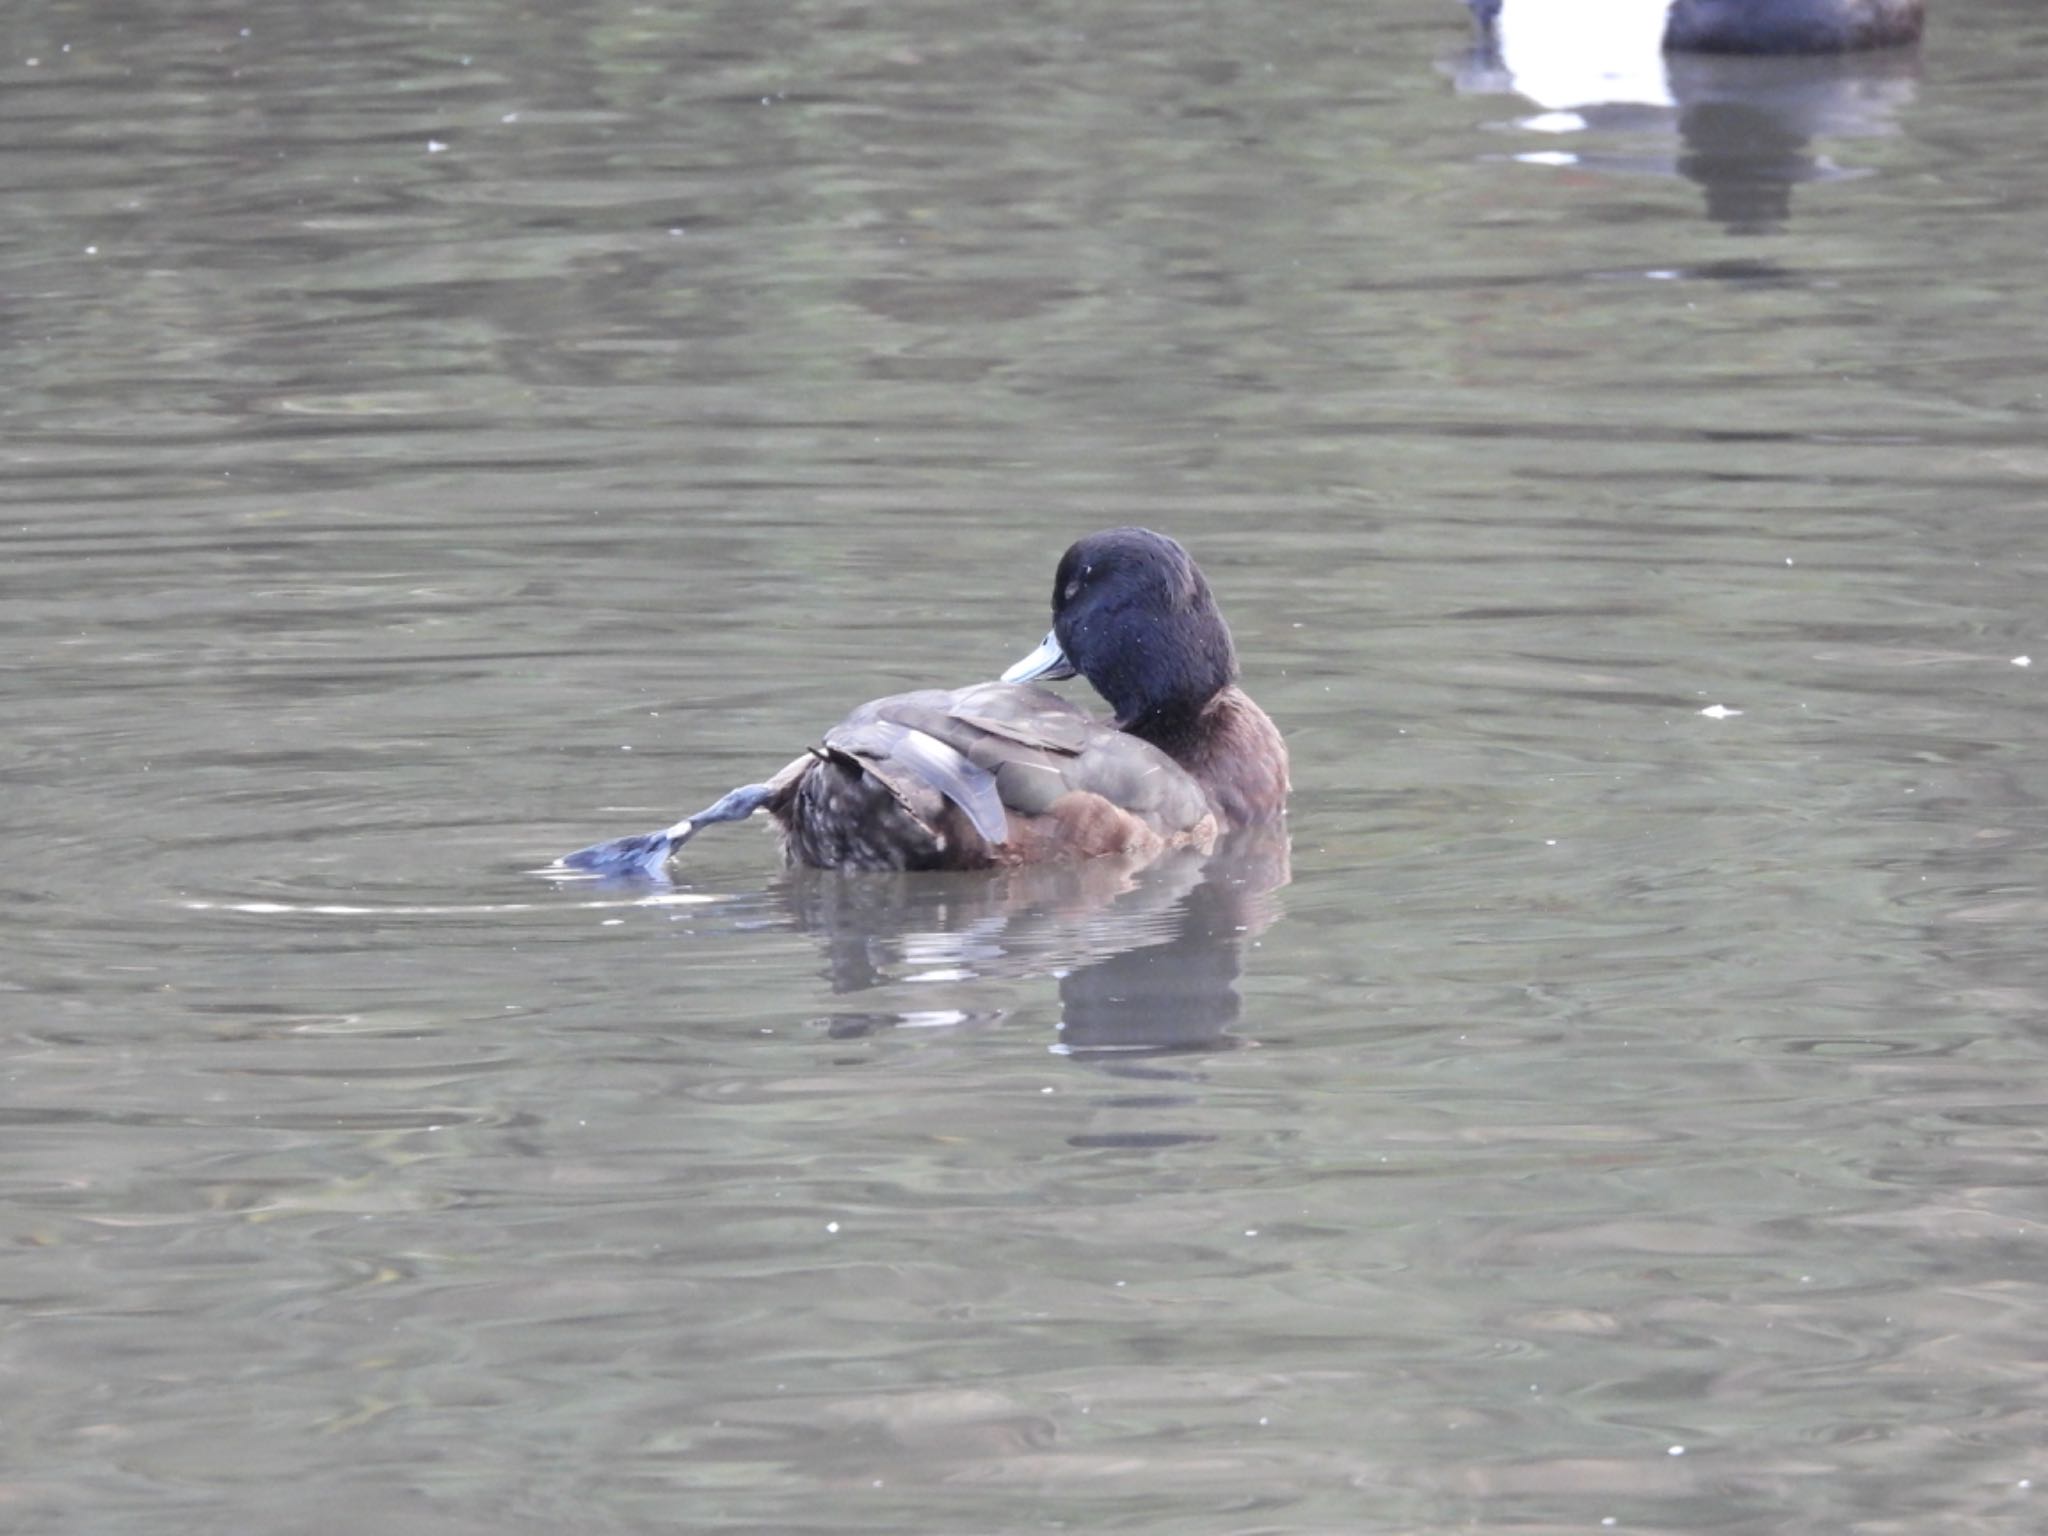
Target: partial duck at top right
{"points": [[1774, 26]]}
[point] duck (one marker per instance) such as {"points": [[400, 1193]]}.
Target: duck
{"points": [[1005, 773], [1763, 26]]}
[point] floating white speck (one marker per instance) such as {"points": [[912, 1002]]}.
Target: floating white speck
{"points": [[435, 146], [509, 117], [1547, 157], [93, 250], [2023, 661], [1719, 712], [1676, 1450], [831, 1226]]}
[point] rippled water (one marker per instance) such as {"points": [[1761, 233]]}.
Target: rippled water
{"points": [[439, 438]]}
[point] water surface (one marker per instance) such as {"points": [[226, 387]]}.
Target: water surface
{"points": [[439, 439]]}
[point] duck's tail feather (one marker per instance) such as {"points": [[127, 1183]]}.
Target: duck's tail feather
{"points": [[644, 853]]}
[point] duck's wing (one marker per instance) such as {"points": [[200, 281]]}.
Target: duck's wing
{"points": [[921, 769], [1037, 748]]}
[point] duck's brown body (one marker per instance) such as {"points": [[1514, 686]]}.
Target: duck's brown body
{"points": [[1004, 773]]}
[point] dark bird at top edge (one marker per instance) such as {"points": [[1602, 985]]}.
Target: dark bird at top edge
{"points": [[1780, 27]]}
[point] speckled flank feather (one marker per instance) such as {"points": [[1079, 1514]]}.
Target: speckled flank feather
{"points": [[843, 817]]}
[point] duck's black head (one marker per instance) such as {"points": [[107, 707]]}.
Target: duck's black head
{"points": [[1132, 614]]}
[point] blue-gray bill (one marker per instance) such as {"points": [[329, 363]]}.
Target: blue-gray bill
{"points": [[1047, 664]]}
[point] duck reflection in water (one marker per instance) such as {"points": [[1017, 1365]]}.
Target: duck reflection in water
{"points": [[1147, 956], [960, 834], [1747, 119]]}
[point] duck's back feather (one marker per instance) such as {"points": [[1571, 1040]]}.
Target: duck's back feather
{"points": [[998, 773]]}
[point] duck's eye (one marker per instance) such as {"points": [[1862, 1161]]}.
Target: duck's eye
{"points": [[1072, 588]]}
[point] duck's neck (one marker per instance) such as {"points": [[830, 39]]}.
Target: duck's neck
{"points": [[1232, 749], [1173, 727]]}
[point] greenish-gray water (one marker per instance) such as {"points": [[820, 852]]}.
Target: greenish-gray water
{"points": [[440, 437]]}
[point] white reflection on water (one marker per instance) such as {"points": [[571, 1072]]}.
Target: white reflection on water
{"points": [[1744, 128]]}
